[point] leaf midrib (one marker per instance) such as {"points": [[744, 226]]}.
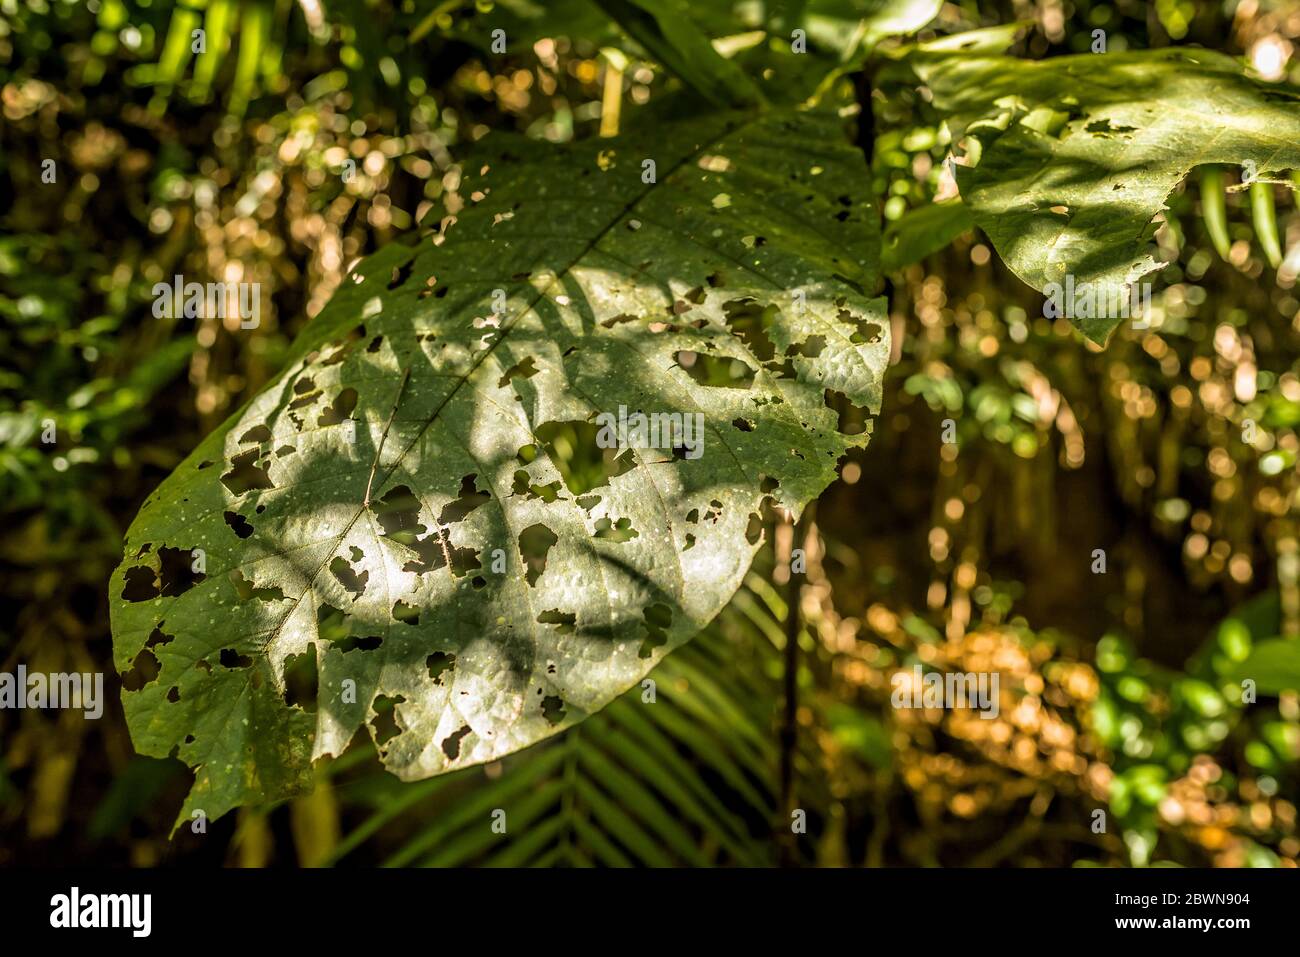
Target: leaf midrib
{"points": [[506, 329]]}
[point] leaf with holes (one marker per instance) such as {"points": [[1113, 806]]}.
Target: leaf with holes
{"points": [[1075, 156], [513, 464]]}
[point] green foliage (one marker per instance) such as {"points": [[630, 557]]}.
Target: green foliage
{"points": [[73, 390], [1072, 158], [732, 289], [664, 28], [1274, 666], [419, 425], [922, 232], [1158, 720], [847, 26]]}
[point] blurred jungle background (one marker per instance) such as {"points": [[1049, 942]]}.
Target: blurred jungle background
{"points": [[229, 164]]}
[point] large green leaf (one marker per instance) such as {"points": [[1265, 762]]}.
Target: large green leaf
{"points": [[443, 407], [1076, 155]]}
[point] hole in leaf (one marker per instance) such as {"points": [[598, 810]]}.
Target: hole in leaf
{"points": [[354, 643], [582, 463], [439, 663], [811, 347], [144, 670], [398, 513], [750, 320], [348, 578], [407, 614], [238, 524], [334, 358], [245, 589], [658, 618], [157, 637], [524, 369], [468, 499], [553, 709], [401, 274], [332, 624], [245, 474], [535, 542], [715, 372], [176, 573], [340, 410], [384, 722], [140, 584], [1103, 128], [618, 532], [436, 551], [231, 658], [523, 486], [301, 680], [553, 616], [852, 418], [451, 744], [305, 393], [868, 332]]}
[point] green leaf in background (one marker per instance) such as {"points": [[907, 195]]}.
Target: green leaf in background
{"points": [[250, 26], [1273, 665], [415, 527], [665, 29], [1075, 156], [851, 26], [740, 54], [922, 232], [525, 22]]}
